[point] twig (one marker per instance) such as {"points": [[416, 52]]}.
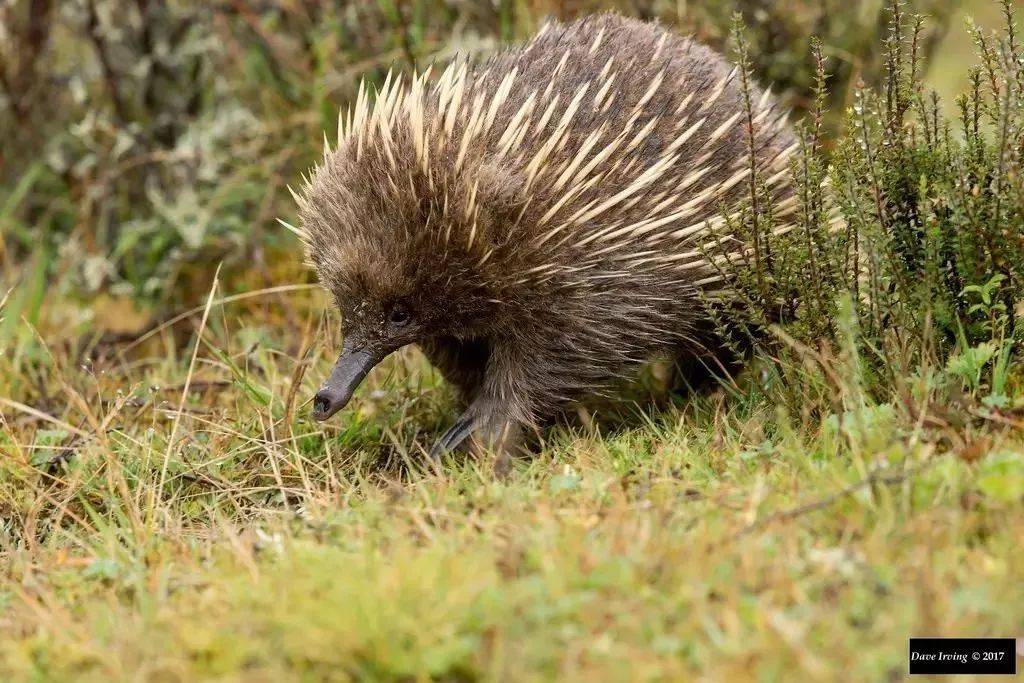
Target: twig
{"points": [[29, 46], [109, 74], [219, 302], [403, 24], [46, 417], [877, 476]]}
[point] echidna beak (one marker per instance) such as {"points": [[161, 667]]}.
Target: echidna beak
{"points": [[350, 370]]}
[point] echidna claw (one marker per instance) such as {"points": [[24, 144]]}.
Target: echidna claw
{"points": [[454, 436]]}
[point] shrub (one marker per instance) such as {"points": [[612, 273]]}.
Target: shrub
{"points": [[915, 220]]}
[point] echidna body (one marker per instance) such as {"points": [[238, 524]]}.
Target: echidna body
{"points": [[543, 223]]}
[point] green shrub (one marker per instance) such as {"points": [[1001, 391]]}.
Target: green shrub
{"points": [[915, 219]]}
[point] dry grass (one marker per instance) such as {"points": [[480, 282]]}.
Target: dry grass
{"points": [[231, 537]]}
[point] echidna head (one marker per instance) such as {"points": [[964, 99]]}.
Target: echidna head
{"points": [[396, 259]]}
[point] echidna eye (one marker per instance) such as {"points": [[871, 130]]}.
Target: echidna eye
{"points": [[398, 316]]}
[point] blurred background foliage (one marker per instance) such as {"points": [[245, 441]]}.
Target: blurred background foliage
{"points": [[144, 142]]}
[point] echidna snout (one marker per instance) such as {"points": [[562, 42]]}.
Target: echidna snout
{"points": [[349, 371], [541, 224]]}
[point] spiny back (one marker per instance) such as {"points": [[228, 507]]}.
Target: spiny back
{"points": [[575, 184], [605, 144]]}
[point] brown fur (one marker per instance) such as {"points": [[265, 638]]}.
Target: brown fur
{"points": [[532, 276]]}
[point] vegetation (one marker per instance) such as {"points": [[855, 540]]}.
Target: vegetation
{"points": [[168, 511]]}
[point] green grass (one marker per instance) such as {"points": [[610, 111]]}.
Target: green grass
{"points": [[720, 538]]}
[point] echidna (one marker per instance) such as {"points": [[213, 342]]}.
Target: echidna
{"points": [[543, 223]]}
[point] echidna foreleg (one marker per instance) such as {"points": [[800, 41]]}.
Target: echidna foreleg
{"points": [[491, 430], [454, 435], [491, 378]]}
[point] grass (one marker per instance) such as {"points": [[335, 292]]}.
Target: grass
{"points": [[720, 538], [169, 511]]}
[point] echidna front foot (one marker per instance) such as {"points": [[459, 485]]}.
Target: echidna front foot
{"points": [[454, 436], [483, 432]]}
